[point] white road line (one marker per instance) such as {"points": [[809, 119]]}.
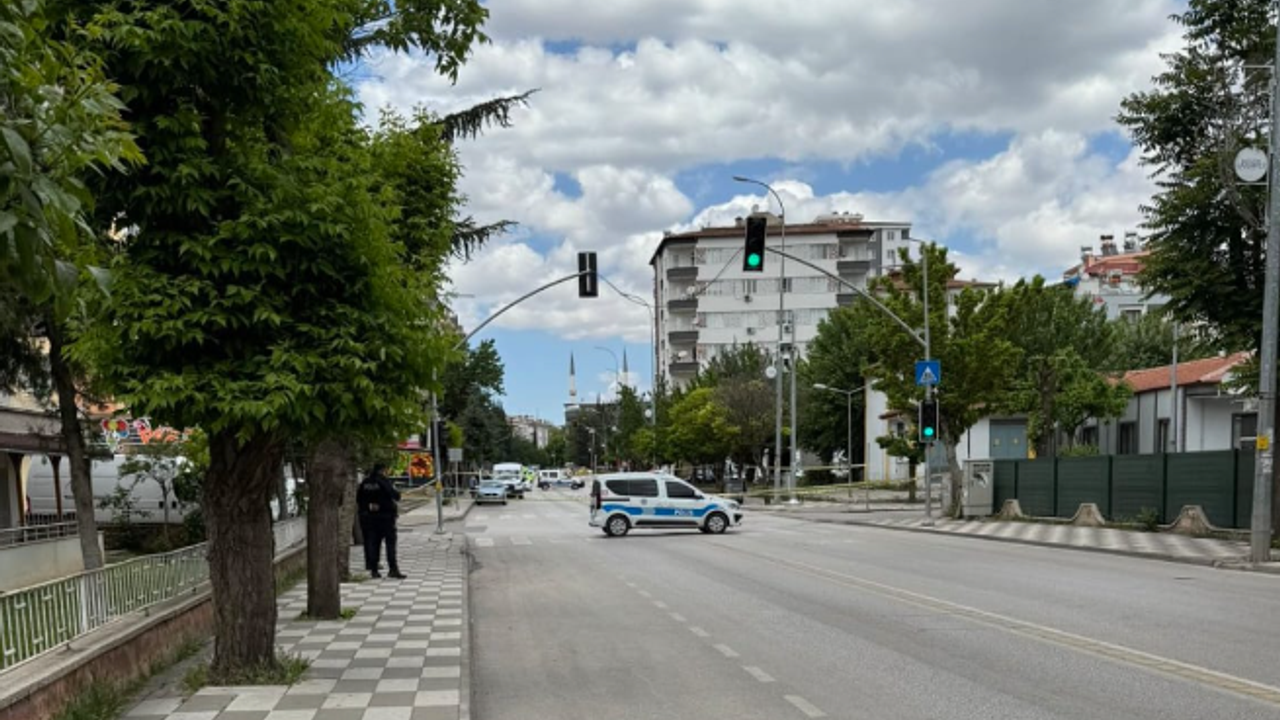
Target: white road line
{"points": [[758, 674], [484, 542], [726, 651], [521, 541], [630, 584], [678, 617], [805, 706], [699, 632], [645, 593], [529, 516], [659, 604]]}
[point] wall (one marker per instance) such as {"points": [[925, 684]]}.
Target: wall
{"points": [[41, 561]]}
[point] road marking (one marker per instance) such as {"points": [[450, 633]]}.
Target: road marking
{"points": [[1117, 653], [631, 584], [529, 516], [659, 604], [678, 617], [645, 593], [699, 632], [484, 542], [805, 706], [521, 541], [726, 651], [758, 674]]}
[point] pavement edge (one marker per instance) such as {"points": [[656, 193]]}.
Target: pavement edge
{"points": [[464, 690]]}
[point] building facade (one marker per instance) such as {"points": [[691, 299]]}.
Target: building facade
{"points": [[535, 430], [1110, 279], [706, 303]]}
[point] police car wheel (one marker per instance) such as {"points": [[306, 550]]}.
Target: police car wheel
{"points": [[617, 526], [717, 523]]}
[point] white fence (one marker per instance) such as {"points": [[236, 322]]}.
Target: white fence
{"points": [[36, 533], [44, 617]]}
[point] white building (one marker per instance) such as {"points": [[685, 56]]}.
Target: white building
{"points": [[535, 430], [1110, 279], [706, 302]]}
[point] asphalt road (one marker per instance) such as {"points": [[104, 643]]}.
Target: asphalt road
{"points": [[783, 618]]}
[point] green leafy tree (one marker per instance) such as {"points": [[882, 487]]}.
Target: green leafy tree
{"points": [[746, 397], [836, 358], [968, 334], [263, 296], [1207, 232], [699, 431], [630, 420], [159, 464], [478, 369], [1066, 343], [1148, 342]]}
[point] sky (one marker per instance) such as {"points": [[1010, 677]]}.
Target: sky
{"points": [[987, 124]]}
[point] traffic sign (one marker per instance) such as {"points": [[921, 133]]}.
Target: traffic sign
{"points": [[928, 372]]}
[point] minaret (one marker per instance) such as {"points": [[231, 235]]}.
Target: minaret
{"points": [[573, 381], [626, 375]]}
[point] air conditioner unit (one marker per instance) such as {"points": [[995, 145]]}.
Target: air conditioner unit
{"points": [[751, 331], [786, 328], [746, 298]]}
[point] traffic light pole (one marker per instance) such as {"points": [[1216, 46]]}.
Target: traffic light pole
{"points": [[928, 394], [516, 302]]}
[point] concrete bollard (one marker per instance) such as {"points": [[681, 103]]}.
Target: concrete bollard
{"points": [[1011, 510], [1088, 515], [1192, 521]]}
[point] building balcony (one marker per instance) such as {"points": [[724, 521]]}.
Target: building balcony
{"points": [[685, 304], [845, 299], [682, 272], [853, 265], [683, 336], [683, 367]]}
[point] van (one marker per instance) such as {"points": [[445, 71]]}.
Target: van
{"points": [[148, 500], [513, 476], [621, 501], [547, 478]]}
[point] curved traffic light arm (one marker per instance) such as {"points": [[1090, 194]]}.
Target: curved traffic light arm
{"points": [[865, 295], [516, 302]]}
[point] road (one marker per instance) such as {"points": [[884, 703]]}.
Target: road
{"points": [[783, 618]]}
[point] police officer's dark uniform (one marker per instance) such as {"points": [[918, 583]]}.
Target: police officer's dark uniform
{"points": [[376, 500]]}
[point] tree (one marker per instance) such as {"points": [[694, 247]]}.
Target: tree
{"points": [[836, 358], [699, 431], [159, 463], [967, 335], [746, 397], [1066, 343], [478, 369], [1148, 342], [262, 296], [1207, 232], [629, 421]]}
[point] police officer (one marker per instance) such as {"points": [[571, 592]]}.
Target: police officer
{"points": [[377, 499]]}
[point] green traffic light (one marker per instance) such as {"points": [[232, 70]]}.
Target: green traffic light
{"points": [[753, 260], [928, 432]]}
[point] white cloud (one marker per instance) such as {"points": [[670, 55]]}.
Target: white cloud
{"points": [[707, 81]]}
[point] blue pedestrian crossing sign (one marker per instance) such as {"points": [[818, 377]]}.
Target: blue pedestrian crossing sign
{"points": [[928, 372]]}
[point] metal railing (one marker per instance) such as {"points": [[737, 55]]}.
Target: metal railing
{"points": [[10, 537], [43, 617]]}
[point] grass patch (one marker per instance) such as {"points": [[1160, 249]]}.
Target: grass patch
{"points": [[287, 581], [286, 670], [104, 700], [345, 614]]}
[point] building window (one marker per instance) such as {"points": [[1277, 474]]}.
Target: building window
{"points": [[1133, 315], [1089, 436], [1128, 440], [890, 234], [786, 285], [1162, 435]]}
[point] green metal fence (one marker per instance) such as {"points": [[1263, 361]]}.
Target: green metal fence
{"points": [[1123, 486]]}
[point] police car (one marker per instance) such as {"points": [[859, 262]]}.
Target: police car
{"points": [[621, 501]]}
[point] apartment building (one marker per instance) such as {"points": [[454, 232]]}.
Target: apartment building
{"points": [[535, 430], [707, 303], [1110, 279]]}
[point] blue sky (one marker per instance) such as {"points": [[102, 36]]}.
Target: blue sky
{"points": [[993, 133]]}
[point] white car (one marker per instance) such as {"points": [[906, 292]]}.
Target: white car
{"points": [[621, 501]]}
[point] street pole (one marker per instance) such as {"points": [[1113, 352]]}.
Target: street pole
{"points": [[777, 381], [848, 439], [928, 389], [1260, 528], [795, 418], [436, 460]]}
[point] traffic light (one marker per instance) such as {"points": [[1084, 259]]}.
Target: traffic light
{"points": [[588, 283], [753, 258], [928, 421]]}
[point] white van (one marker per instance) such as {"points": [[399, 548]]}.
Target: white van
{"points": [[105, 477], [513, 476], [621, 501]]}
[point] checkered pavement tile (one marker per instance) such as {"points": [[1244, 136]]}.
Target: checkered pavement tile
{"points": [[398, 658]]}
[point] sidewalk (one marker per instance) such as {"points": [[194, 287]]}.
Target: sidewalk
{"points": [[1162, 546], [404, 656]]}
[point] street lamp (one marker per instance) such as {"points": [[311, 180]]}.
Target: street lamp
{"points": [[592, 431], [782, 277], [848, 445], [617, 376]]}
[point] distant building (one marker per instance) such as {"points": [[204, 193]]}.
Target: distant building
{"points": [[1110, 279], [535, 430], [706, 303]]}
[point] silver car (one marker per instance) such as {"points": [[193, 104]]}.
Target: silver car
{"points": [[491, 491]]}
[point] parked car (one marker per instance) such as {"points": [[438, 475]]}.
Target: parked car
{"points": [[491, 491]]}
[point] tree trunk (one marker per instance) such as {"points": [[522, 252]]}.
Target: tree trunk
{"points": [[325, 484], [77, 454], [347, 525], [282, 494], [237, 507]]}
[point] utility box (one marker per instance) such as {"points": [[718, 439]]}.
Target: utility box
{"points": [[978, 496]]}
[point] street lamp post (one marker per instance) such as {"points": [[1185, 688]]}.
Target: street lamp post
{"points": [[617, 375], [592, 432], [782, 276], [848, 443]]}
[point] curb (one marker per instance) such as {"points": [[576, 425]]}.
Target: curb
{"points": [[1224, 564], [464, 689]]}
